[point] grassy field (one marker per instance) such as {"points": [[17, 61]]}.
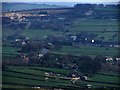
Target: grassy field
{"points": [[32, 34], [101, 27], [104, 28], [106, 78], [87, 50], [10, 51], [28, 77], [39, 33], [96, 24], [24, 77], [82, 50]]}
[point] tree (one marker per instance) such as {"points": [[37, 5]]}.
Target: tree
{"points": [[87, 65], [84, 7]]}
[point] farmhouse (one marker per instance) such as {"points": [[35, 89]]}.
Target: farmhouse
{"points": [[89, 13], [73, 38], [109, 59], [74, 76], [117, 59], [49, 74], [40, 55]]}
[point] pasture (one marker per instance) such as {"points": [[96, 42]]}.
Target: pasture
{"points": [[105, 28], [87, 50], [32, 34], [31, 76], [10, 51]]}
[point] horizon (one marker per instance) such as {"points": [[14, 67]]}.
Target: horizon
{"points": [[57, 3], [72, 1]]}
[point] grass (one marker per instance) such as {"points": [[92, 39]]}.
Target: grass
{"points": [[106, 78], [32, 34], [107, 9], [39, 33], [33, 77], [87, 50], [15, 86], [96, 85], [39, 70], [93, 26], [101, 27], [61, 71], [10, 50], [94, 22], [28, 80], [23, 77]]}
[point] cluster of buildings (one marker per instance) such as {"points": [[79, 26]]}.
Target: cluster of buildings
{"points": [[19, 15]]}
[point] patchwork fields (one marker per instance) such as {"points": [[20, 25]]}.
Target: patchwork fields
{"points": [[31, 76]]}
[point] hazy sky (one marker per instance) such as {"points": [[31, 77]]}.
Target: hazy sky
{"points": [[89, 1]]}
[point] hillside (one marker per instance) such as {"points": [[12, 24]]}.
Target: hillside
{"points": [[25, 6]]}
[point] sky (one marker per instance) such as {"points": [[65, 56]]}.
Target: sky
{"points": [[86, 1]]}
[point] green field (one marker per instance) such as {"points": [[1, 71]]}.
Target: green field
{"points": [[10, 50], [26, 76], [104, 28], [32, 34], [82, 50], [39, 33], [95, 24], [101, 27], [87, 50], [37, 78]]}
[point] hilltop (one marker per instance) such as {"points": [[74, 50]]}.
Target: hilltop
{"points": [[25, 6]]}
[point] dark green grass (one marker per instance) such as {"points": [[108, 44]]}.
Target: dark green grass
{"points": [[96, 85], [11, 50], [25, 77], [39, 33], [106, 78], [39, 70], [31, 33], [87, 50]]}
